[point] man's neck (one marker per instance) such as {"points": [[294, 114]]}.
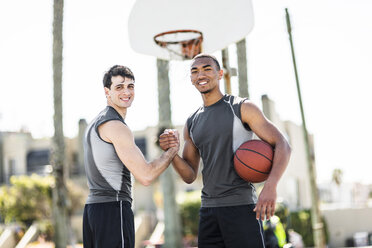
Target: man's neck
{"points": [[211, 97], [122, 111]]}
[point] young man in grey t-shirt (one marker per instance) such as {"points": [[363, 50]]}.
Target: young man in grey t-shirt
{"points": [[110, 158], [230, 214]]}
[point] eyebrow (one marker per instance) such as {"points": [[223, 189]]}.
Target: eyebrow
{"points": [[204, 66], [123, 82]]}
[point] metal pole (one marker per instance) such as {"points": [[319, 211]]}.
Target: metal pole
{"points": [[318, 230], [226, 66], [2, 178], [172, 220]]}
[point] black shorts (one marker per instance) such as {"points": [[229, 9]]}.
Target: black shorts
{"points": [[230, 227], [108, 224]]}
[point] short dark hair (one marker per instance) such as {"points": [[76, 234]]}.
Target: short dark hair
{"points": [[204, 55], [116, 70]]}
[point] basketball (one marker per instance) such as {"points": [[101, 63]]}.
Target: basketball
{"points": [[253, 160]]}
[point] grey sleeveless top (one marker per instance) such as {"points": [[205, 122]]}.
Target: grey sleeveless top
{"points": [[108, 178], [217, 131]]}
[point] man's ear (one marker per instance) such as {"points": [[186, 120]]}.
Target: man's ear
{"points": [[220, 74], [107, 91]]}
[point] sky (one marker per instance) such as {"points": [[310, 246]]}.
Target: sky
{"points": [[332, 40]]}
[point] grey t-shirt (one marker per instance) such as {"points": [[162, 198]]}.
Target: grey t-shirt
{"points": [[108, 178], [217, 131]]}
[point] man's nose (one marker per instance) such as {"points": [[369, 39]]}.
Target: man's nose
{"points": [[126, 90], [201, 77], [200, 73]]}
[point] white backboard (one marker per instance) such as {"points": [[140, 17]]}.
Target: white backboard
{"points": [[222, 22]]}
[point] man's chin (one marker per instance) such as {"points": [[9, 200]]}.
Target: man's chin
{"points": [[205, 92], [127, 105]]}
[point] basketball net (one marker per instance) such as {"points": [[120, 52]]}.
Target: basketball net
{"points": [[181, 44]]}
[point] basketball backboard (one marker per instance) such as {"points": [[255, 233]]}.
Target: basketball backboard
{"points": [[221, 22]]}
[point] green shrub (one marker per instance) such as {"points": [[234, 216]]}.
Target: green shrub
{"points": [[189, 210], [300, 222], [46, 229], [29, 198]]}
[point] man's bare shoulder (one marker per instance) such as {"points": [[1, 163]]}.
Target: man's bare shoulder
{"points": [[114, 130], [249, 106], [186, 135], [113, 124]]}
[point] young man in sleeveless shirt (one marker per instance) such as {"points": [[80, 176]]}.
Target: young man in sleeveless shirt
{"points": [[230, 214], [111, 156]]}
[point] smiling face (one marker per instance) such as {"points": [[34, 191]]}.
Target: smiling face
{"points": [[205, 75], [121, 92]]}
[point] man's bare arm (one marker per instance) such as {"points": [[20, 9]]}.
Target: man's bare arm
{"points": [[186, 166], [121, 137], [265, 130]]}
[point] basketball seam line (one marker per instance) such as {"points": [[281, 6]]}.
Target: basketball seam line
{"points": [[246, 149], [251, 167]]}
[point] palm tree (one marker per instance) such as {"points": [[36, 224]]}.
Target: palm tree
{"points": [[337, 179], [337, 176], [59, 193]]}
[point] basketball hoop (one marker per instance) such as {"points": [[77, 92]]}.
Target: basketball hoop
{"points": [[184, 44]]}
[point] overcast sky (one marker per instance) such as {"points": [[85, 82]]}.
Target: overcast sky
{"points": [[332, 42]]}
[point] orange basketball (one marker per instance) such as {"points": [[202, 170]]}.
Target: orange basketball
{"points": [[253, 160]]}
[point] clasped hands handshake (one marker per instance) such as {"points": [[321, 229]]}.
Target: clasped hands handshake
{"points": [[169, 139]]}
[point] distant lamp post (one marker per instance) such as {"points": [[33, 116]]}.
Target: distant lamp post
{"points": [[318, 229]]}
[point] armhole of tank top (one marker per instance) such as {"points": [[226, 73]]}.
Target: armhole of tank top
{"points": [[239, 116], [245, 125], [231, 105], [189, 129], [88, 134], [192, 118], [103, 122]]}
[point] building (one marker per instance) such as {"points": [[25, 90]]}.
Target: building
{"points": [[21, 154]]}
